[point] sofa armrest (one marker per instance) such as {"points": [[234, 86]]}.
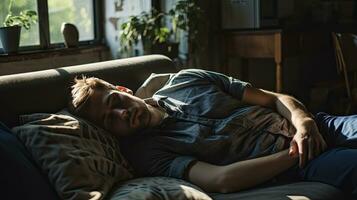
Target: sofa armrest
{"points": [[48, 90]]}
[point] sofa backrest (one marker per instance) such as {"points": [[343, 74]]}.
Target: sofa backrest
{"points": [[48, 90]]}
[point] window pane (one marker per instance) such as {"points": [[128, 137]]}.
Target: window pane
{"points": [[28, 37], [79, 13]]}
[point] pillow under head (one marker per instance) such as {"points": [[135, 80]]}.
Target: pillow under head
{"points": [[82, 161], [152, 84]]}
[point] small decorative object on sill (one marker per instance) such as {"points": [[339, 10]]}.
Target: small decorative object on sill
{"points": [[70, 35]]}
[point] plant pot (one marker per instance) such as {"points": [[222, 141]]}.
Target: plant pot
{"points": [[10, 38]]}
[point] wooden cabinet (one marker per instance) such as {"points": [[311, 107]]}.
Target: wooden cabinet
{"points": [[261, 44]]}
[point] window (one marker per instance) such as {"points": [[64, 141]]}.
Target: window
{"points": [[51, 14], [28, 37], [79, 13]]}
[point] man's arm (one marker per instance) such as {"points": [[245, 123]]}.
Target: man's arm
{"points": [[240, 175], [307, 142]]}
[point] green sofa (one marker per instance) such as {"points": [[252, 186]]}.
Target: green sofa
{"points": [[48, 91]]}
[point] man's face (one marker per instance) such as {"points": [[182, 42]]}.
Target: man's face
{"points": [[117, 112]]}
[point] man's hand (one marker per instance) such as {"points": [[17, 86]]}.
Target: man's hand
{"points": [[307, 142]]}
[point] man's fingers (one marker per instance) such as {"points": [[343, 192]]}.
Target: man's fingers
{"points": [[318, 150], [309, 142], [320, 145], [307, 148], [312, 148], [301, 153], [323, 144], [293, 151], [302, 145]]}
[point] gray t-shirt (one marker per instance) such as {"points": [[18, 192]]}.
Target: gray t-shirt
{"points": [[207, 121]]}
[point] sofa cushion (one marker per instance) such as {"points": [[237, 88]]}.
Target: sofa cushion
{"points": [[291, 191], [82, 161], [157, 188], [152, 84], [20, 177]]}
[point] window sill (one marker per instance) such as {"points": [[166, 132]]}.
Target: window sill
{"points": [[38, 54]]}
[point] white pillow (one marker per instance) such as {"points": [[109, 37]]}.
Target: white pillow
{"points": [[152, 84]]}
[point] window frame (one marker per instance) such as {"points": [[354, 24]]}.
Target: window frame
{"points": [[44, 29]]}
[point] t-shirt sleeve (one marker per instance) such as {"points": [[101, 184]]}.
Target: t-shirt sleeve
{"points": [[149, 158], [230, 85]]}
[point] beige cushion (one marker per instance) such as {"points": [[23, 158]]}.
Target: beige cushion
{"points": [[82, 161], [158, 188], [152, 84]]}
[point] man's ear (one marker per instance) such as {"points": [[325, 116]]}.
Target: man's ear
{"points": [[124, 89]]}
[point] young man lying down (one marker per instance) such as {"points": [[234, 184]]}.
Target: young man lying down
{"points": [[221, 133]]}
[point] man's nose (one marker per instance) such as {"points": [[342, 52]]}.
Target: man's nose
{"points": [[122, 113]]}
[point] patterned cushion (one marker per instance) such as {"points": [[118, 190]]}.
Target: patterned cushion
{"points": [[158, 188], [82, 161]]}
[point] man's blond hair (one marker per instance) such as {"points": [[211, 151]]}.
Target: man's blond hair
{"points": [[83, 88]]}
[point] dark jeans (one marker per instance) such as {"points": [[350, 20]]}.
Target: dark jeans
{"points": [[338, 165]]}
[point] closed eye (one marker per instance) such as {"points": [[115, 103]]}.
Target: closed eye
{"points": [[108, 101], [115, 101]]}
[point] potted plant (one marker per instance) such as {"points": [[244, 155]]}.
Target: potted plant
{"points": [[10, 32], [150, 29], [147, 28]]}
